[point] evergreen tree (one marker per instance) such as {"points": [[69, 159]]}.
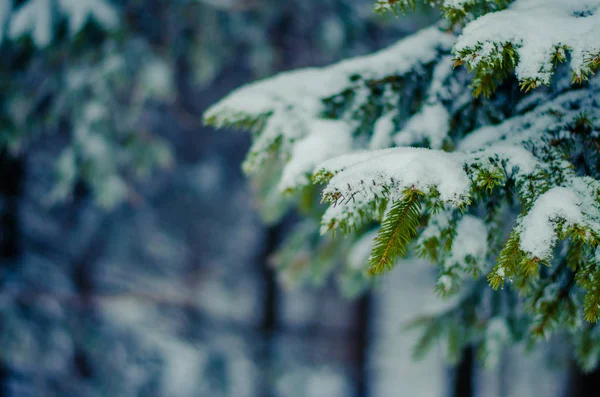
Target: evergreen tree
{"points": [[473, 143], [142, 300], [75, 69]]}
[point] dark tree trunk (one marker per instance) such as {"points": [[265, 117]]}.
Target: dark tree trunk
{"points": [[463, 375], [584, 384], [11, 190], [270, 321], [362, 345]]}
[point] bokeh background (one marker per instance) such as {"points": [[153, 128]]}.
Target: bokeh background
{"points": [[168, 290]]}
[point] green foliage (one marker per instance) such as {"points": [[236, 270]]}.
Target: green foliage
{"points": [[592, 63], [355, 217], [490, 71], [71, 82], [455, 13], [396, 6], [528, 163], [397, 230], [488, 179], [438, 245], [508, 262]]}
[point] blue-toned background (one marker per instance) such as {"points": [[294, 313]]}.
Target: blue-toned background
{"points": [[170, 293]]}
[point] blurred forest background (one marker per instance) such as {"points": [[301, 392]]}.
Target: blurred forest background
{"points": [[132, 259]]}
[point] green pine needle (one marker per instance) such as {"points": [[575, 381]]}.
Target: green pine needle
{"points": [[507, 263], [397, 230]]}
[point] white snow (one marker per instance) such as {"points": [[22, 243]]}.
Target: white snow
{"points": [[292, 122], [382, 131], [80, 11], [537, 28], [470, 241], [516, 158], [327, 138], [353, 212], [291, 101], [431, 123], [403, 168], [537, 227], [340, 163], [439, 89], [437, 223], [573, 205], [312, 84], [35, 18]]}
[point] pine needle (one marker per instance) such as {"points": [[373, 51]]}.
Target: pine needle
{"points": [[397, 230]]}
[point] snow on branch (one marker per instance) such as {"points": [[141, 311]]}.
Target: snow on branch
{"points": [[395, 170], [297, 88], [499, 185], [286, 108], [39, 19], [558, 210], [533, 36], [326, 139], [555, 117], [454, 10]]}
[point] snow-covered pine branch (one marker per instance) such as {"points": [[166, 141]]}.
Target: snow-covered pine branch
{"points": [[533, 36], [38, 19], [55, 82], [499, 189], [287, 109]]}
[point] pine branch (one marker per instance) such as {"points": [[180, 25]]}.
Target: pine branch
{"points": [[591, 301], [396, 231], [490, 70]]}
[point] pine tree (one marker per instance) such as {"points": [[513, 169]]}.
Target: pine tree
{"points": [[68, 271], [68, 70], [473, 143]]}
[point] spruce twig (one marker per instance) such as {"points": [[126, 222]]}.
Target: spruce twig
{"points": [[397, 230]]}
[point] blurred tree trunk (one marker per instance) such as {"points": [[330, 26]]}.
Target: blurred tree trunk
{"points": [[584, 384], [11, 189], [362, 345], [463, 374], [270, 322]]}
